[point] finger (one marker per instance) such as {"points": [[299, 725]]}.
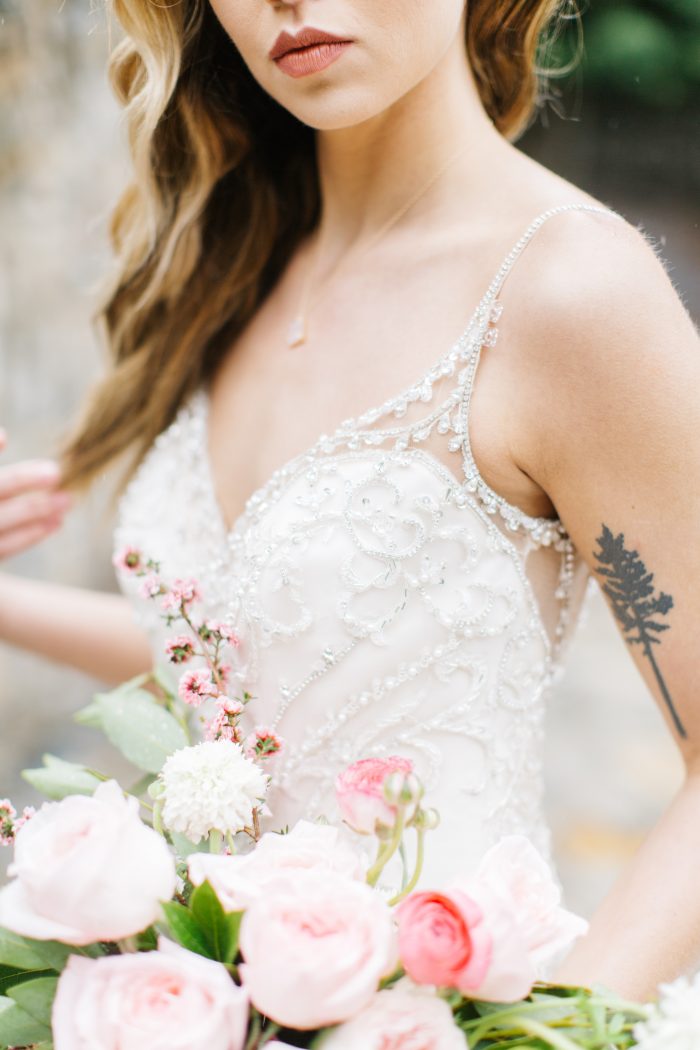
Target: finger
{"points": [[3, 438], [19, 540], [33, 507], [31, 474]]}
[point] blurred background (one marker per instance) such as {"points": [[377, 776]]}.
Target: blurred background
{"points": [[624, 125]]}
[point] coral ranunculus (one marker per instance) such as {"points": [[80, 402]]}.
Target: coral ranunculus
{"points": [[443, 940], [359, 790], [87, 869]]}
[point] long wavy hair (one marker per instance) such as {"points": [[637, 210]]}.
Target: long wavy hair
{"points": [[224, 188]]}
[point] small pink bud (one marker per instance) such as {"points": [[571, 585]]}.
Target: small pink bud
{"points": [[128, 559], [180, 649], [195, 687]]}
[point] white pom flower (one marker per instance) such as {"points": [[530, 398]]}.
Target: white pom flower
{"points": [[210, 787], [675, 1023]]}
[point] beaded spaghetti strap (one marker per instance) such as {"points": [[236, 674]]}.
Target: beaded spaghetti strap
{"points": [[542, 530], [520, 245]]}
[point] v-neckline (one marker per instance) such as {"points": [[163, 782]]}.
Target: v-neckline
{"points": [[480, 313]]}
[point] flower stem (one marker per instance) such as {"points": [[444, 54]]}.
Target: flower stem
{"points": [[548, 1035], [127, 945], [271, 1030], [420, 854], [158, 817], [387, 849], [215, 841]]}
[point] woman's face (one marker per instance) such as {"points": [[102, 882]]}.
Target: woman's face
{"points": [[388, 46]]}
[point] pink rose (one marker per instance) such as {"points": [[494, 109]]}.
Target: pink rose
{"points": [[243, 878], [315, 948], [399, 1018], [87, 869], [359, 790], [443, 940], [515, 870], [168, 999], [510, 973]]}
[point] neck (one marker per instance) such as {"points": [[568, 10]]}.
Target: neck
{"points": [[369, 170]]}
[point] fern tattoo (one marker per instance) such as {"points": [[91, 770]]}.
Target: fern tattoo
{"points": [[630, 590]]}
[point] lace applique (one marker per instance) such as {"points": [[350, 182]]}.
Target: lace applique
{"points": [[381, 604]]}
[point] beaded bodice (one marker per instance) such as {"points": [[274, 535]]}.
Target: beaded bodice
{"points": [[384, 602]]}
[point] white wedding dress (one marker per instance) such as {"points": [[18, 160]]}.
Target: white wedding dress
{"points": [[385, 604]]}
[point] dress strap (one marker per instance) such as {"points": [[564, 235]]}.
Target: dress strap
{"points": [[542, 530], [520, 245]]}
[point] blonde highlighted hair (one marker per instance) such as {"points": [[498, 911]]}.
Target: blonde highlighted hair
{"points": [[216, 207]]}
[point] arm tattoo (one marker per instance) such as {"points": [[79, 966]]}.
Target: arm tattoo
{"points": [[631, 592]]}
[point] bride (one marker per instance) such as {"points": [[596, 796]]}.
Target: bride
{"points": [[328, 230]]}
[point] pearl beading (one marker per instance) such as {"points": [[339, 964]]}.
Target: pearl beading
{"points": [[445, 552]]}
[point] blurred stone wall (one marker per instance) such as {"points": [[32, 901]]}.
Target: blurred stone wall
{"points": [[611, 764]]}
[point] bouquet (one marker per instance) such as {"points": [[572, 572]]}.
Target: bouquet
{"points": [[162, 918]]}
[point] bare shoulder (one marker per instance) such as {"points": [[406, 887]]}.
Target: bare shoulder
{"points": [[594, 319], [593, 275]]}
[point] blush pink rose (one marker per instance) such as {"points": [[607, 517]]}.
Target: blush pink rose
{"points": [[168, 999], [87, 869], [515, 870], [511, 973], [315, 947], [240, 879], [401, 1018], [443, 940], [359, 790]]}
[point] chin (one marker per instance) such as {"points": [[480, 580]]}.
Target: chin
{"points": [[325, 105], [335, 109]]}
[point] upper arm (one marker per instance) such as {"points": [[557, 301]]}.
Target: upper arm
{"points": [[610, 425]]}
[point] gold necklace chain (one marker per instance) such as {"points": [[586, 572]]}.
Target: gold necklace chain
{"points": [[297, 332]]}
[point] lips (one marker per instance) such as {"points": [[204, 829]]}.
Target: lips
{"points": [[306, 37]]}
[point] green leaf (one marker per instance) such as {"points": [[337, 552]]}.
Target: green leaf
{"points": [[27, 954], [184, 847], [221, 929], [13, 975], [185, 929], [91, 715], [162, 676], [36, 997], [147, 940], [17, 1027], [142, 785], [57, 778], [23, 953], [140, 728]]}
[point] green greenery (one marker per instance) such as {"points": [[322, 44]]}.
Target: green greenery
{"points": [[643, 52]]}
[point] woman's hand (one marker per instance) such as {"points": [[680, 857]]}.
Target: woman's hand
{"points": [[31, 503]]}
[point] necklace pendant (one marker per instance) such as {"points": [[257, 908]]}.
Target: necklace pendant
{"points": [[296, 333]]}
